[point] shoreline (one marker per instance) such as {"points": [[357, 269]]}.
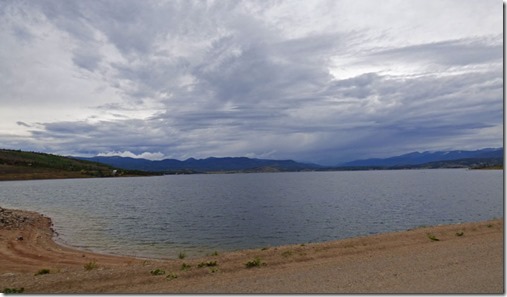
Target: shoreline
{"points": [[27, 247], [74, 175], [60, 242]]}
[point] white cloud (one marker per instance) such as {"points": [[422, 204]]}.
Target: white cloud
{"points": [[129, 154], [310, 80]]}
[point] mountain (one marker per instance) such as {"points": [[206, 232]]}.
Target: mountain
{"points": [[212, 164], [440, 159], [417, 158], [16, 165]]}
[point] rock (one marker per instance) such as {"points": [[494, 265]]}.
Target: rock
{"points": [[19, 238]]}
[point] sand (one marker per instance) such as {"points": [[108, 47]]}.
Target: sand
{"points": [[398, 262]]}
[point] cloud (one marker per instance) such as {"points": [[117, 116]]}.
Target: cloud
{"points": [[128, 154], [20, 123], [321, 81], [449, 53]]}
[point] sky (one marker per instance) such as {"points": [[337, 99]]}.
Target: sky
{"points": [[314, 81]]}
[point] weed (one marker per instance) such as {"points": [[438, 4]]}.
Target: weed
{"points": [[42, 271], [90, 265], [157, 272], [207, 264], [287, 253], [185, 266], [432, 237], [171, 276], [459, 233], [253, 263], [13, 290]]}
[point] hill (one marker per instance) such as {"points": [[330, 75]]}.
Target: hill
{"points": [[228, 164], [417, 158], [484, 158], [21, 165], [15, 164]]}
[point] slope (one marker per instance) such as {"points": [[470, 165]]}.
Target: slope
{"points": [[21, 165]]}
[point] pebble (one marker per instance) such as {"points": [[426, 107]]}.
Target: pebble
{"points": [[9, 220]]}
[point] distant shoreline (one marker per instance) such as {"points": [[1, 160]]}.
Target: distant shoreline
{"points": [[27, 177], [464, 258], [22, 165], [4, 178]]}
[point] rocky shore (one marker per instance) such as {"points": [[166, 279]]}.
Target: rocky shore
{"points": [[463, 258], [11, 219]]}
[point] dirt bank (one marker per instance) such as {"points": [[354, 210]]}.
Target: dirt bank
{"points": [[466, 258]]}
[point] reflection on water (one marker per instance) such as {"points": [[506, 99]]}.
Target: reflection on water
{"points": [[161, 216]]}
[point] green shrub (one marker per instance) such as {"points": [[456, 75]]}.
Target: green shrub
{"points": [[157, 272], [42, 271], [185, 266], [253, 263], [182, 255], [90, 265], [13, 290], [207, 264], [171, 276]]}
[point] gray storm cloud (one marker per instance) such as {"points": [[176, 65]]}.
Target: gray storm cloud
{"points": [[320, 81]]}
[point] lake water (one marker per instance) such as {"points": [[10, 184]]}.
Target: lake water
{"points": [[198, 214]]}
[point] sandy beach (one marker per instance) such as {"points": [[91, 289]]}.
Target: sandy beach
{"points": [[463, 258]]}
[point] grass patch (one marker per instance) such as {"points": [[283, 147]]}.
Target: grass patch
{"points": [[90, 265], [157, 272], [13, 290], [287, 253], [253, 263], [171, 276], [182, 255], [207, 264], [185, 266], [43, 271], [432, 237]]}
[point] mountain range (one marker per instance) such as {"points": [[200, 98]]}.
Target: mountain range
{"points": [[417, 158], [211, 164], [440, 159]]}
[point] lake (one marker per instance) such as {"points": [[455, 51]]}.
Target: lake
{"points": [[161, 216]]}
